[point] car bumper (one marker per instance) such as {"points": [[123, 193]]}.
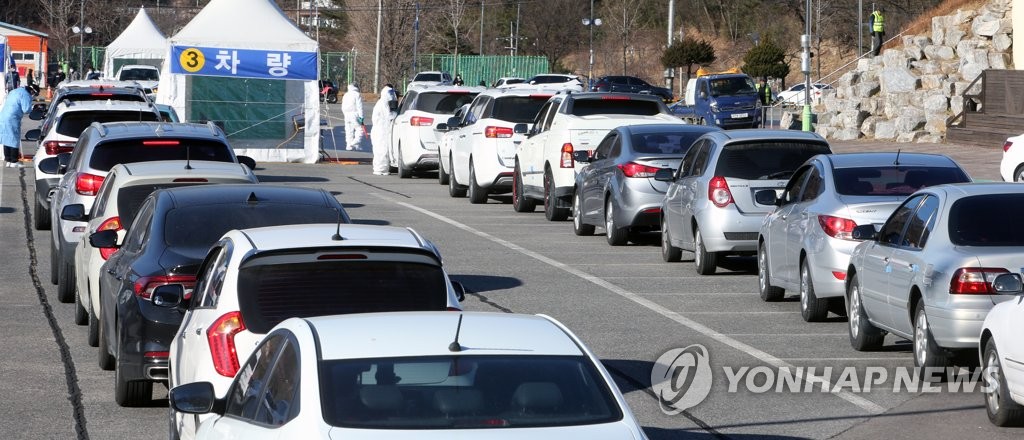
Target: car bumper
{"points": [[44, 190], [639, 204], [1006, 168], [146, 334], [956, 328], [728, 230], [826, 258]]}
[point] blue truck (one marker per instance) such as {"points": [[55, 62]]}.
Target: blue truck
{"points": [[727, 100]]}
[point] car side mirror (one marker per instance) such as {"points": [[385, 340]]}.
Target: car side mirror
{"points": [[104, 239], [582, 156], [168, 295], [1008, 284], [247, 161], [38, 112], [864, 232], [460, 290], [50, 165], [703, 95], [520, 129], [195, 398], [33, 134], [75, 213], [766, 197], [453, 122], [441, 127], [665, 175]]}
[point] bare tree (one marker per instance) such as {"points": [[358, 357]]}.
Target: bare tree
{"points": [[622, 19], [552, 27]]}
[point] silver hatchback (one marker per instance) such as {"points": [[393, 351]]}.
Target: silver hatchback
{"points": [[927, 274], [805, 244], [709, 207]]}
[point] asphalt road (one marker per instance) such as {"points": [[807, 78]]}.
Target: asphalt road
{"points": [[624, 302]]}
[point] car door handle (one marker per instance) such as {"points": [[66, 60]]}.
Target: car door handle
{"points": [[461, 136], [199, 330]]}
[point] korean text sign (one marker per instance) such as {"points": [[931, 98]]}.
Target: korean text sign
{"points": [[243, 63]]}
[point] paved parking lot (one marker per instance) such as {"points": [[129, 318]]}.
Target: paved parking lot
{"points": [[624, 302]]}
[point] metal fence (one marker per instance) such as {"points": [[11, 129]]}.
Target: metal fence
{"points": [[487, 68]]}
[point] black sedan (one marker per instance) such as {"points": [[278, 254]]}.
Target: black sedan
{"points": [[630, 84], [165, 244]]}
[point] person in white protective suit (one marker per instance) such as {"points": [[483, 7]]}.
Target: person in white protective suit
{"points": [[352, 108], [382, 117]]}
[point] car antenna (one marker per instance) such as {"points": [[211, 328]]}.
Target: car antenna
{"points": [[337, 232], [188, 157], [454, 346], [897, 161]]}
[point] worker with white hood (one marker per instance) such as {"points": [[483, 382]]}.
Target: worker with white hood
{"points": [[383, 115], [352, 108]]}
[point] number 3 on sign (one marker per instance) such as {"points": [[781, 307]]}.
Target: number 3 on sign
{"points": [[192, 60]]}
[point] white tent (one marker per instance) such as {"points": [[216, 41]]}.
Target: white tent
{"points": [[140, 43], [245, 66]]}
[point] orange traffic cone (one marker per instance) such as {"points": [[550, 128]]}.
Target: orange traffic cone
{"points": [[49, 94]]}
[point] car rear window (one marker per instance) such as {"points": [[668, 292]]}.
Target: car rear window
{"points": [[550, 79], [663, 143], [766, 160], [982, 220], [893, 180], [130, 198], [140, 75], [201, 226], [443, 103], [428, 77], [271, 293], [465, 392], [108, 154], [587, 107], [518, 109], [72, 124], [101, 96]]}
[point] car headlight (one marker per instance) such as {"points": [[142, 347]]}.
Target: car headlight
{"points": [[714, 106]]}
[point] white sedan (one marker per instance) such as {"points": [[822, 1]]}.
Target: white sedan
{"points": [[416, 375], [795, 95], [1002, 354], [1011, 168]]}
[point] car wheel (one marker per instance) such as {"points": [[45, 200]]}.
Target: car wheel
{"points": [[477, 195], [669, 253], [53, 262], [404, 171], [172, 426], [93, 338], [578, 227], [926, 352], [812, 309], [864, 335], [454, 189], [40, 217], [519, 201], [81, 315], [1018, 174], [704, 260], [764, 281], [106, 360], [130, 393], [1001, 409], [551, 211], [65, 282], [616, 236], [332, 98], [442, 176]]}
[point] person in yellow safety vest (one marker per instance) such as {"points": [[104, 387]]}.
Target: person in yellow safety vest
{"points": [[764, 91], [877, 30]]}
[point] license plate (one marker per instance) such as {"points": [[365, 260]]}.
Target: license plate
{"points": [[740, 115]]}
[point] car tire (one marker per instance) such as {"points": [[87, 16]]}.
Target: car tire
{"points": [[81, 314], [53, 262], [767, 291], [864, 336], [616, 236], [454, 189], [332, 98], [65, 282], [104, 358], [705, 262], [172, 426], [669, 253], [40, 217], [442, 176], [578, 227], [1018, 174], [477, 194], [404, 172], [812, 308], [926, 352], [130, 393], [93, 336], [520, 203], [1000, 407], [551, 210]]}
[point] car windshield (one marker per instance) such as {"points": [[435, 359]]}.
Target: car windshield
{"points": [[108, 154], [72, 124], [443, 103], [735, 85], [202, 225], [428, 77], [675, 144], [982, 220], [515, 81], [626, 106], [893, 180], [550, 79], [140, 75], [766, 160], [465, 392], [518, 109]]}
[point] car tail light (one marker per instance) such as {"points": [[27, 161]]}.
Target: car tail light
{"points": [[342, 257], [161, 143], [1007, 145], [420, 121], [221, 337], [540, 96], [616, 98], [156, 354], [102, 94], [566, 161], [88, 184], [498, 132], [145, 286], [718, 192], [837, 227], [110, 224], [974, 280], [633, 169], [54, 148], [190, 180]]}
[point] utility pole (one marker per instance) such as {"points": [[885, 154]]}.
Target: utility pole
{"points": [[416, 40], [860, 27], [805, 66], [376, 56], [481, 51], [671, 25]]}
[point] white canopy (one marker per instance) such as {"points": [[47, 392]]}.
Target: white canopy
{"points": [[5, 63], [262, 116], [141, 42]]}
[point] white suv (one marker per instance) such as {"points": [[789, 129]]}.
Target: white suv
{"points": [[544, 167], [413, 140], [253, 279], [483, 145], [118, 200]]}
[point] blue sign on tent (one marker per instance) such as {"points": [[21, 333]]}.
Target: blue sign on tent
{"points": [[243, 63], [3, 51]]}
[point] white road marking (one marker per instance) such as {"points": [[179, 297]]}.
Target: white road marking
{"points": [[786, 335], [860, 402]]}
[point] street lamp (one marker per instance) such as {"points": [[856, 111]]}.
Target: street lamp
{"points": [[81, 30], [591, 22]]}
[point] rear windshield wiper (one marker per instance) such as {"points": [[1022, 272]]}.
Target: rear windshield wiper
{"points": [[778, 175]]}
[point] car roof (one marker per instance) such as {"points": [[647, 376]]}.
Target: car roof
{"points": [[170, 169], [886, 159], [138, 66], [517, 92], [150, 129], [602, 95], [959, 190], [95, 83], [321, 236], [668, 128], [243, 193], [109, 104], [449, 88], [405, 334], [758, 134]]}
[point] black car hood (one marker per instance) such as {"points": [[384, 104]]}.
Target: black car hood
{"points": [[182, 260]]}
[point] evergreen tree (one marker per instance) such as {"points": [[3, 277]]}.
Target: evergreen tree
{"points": [[766, 60], [686, 53]]}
